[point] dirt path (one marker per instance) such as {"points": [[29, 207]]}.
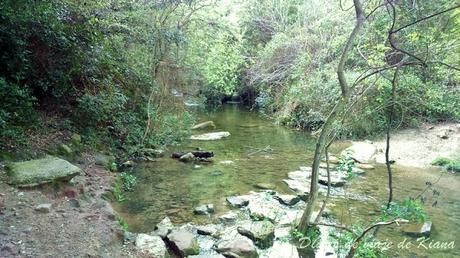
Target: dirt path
{"points": [[80, 223], [419, 147]]}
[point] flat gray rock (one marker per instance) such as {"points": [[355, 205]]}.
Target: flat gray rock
{"points": [[41, 171], [418, 230], [210, 136]]}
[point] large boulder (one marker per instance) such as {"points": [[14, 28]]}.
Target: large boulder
{"points": [[151, 245], [261, 232], [40, 171], [362, 152], [183, 242], [210, 136], [239, 246]]}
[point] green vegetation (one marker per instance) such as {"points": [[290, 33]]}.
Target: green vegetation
{"points": [[346, 164], [129, 181], [119, 72], [294, 62], [117, 190], [122, 223], [452, 165], [407, 209], [368, 248]]}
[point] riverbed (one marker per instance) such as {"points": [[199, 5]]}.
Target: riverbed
{"points": [[257, 151]]}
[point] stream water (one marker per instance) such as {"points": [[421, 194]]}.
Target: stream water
{"points": [[264, 153]]}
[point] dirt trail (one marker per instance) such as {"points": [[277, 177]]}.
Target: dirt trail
{"points": [[80, 222], [419, 147]]}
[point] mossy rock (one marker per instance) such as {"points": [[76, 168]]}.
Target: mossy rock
{"points": [[41, 171]]}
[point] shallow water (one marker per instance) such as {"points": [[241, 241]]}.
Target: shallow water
{"points": [[264, 153]]}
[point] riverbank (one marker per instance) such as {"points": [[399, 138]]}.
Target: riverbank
{"points": [[62, 220], [418, 147]]}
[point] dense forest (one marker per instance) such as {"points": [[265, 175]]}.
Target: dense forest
{"points": [[129, 77], [107, 69]]}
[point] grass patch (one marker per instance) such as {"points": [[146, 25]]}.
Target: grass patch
{"points": [[452, 165]]}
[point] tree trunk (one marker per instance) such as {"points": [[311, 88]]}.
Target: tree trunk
{"points": [[331, 119]]}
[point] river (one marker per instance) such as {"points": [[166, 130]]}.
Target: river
{"points": [[262, 152]]}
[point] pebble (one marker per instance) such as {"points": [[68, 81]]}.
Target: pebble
{"points": [[43, 208]]}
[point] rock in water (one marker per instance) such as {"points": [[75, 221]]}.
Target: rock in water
{"points": [[40, 171], [288, 199], [261, 232], [187, 157], [362, 152], [183, 242], [264, 186], [239, 246], [152, 245], [204, 209], [237, 202], [418, 230], [204, 125], [210, 136]]}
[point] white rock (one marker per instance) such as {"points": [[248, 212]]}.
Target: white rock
{"points": [[152, 245], [210, 136], [363, 152], [283, 250]]}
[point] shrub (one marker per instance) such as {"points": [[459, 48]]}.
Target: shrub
{"points": [[408, 209]]}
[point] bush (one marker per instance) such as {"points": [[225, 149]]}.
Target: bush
{"points": [[449, 164], [407, 209]]}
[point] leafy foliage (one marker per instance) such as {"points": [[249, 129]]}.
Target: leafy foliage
{"points": [[408, 209], [342, 241], [129, 181], [346, 164], [449, 164]]}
